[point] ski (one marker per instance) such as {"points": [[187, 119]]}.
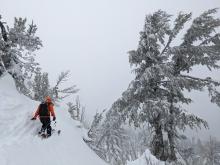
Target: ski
{"points": [[44, 135]]}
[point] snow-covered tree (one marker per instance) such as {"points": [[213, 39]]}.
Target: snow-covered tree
{"points": [[211, 152], [200, 152], [45, 85], [57, 92], [36, 85], [110, 140], [71, 109], [94, 134], [187, 149], [163, 73], [41, 86], [113, 139], [17, 47], [77, 111], [93, 131]]}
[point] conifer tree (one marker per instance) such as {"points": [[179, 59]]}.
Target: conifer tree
{"points": [[113, 139], [58, 92], [109, 139], [45, 89], [163, 72], [41, 86], [17, 47], [76, 110], [37, 85]]}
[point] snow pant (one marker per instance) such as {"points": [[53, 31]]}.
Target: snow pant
{"points": [[46, 125]]}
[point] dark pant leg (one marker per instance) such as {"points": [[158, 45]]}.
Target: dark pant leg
{"points": [[46, 125], [42, 120], [49, 130]]}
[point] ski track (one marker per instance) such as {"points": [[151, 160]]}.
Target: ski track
{"points": [[20, 144]]}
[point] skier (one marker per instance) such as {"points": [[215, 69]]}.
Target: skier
{"points": [[44, 111]]}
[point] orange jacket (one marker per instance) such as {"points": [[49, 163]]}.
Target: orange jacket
{"points": [[50, 108]]}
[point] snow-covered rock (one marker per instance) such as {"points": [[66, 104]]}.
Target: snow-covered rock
{"points": [[19, 144]]}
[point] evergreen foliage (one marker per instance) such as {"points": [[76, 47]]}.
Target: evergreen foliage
{"points": [[57, 92], [41, 86], [109, 139], [77, 111], [163, 74], [114, 143], [17, 47], [200, 152]]}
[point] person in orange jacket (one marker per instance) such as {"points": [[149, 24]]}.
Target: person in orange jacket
{"points": [[44, 111]]}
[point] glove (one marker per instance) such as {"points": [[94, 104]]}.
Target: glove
{"points": [[54, 118], [33, 118]]}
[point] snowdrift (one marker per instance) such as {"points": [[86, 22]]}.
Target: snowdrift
{"points": [[147, 159], [19, 144]]}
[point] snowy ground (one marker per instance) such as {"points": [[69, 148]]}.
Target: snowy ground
{"points": [[147, 159], [19, 144]]}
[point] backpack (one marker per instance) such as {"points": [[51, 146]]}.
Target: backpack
{"points": [[43, 110]]}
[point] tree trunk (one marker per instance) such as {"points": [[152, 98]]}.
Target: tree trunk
{"points": [[171, 133], [172, 155], [157, 147]]}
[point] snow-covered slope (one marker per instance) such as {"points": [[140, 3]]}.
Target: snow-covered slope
{"points": [[147, 159], [19, 144]]}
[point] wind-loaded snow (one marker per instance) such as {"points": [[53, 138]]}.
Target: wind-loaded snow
{"points": [[147, 159], [19, 143]]}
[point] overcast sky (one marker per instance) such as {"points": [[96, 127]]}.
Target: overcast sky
{"points": [[91, 38]]}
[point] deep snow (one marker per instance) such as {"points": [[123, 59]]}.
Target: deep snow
{"points": [[19, 144], [147, 159]]}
